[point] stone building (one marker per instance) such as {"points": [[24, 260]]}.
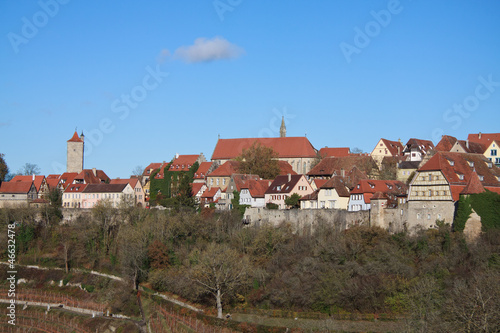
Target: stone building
{"points": [[74, 157]]}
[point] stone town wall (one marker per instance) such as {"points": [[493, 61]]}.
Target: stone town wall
{"points": [[307, 219]]}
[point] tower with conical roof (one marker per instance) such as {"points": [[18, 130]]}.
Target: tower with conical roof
{"points": [[282, 128], [74, 157]]}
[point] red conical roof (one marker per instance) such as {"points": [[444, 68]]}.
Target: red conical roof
{"points": [[75, 138]]}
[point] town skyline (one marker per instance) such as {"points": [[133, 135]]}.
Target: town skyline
{"points": [[146, 82]]}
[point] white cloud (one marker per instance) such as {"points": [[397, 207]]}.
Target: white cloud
{"points": [[205, 50]]}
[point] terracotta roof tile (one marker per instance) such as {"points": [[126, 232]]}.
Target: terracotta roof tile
{"points": [[131, 181], [257, 188], [446, 143], [75, 138], [202, 171], [474, 185], [38, 180], [285, 147], [393, 146], [370, 186], [15, 187], [334, 152], [338, 184], [104, 188], [75, 188], [484, 138], [281, 184], [334, 165]]}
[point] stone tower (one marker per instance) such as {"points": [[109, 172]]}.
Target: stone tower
{"points": [[282, 128], [74, 158]]}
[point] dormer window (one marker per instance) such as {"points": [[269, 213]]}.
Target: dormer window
{"points": [[490, 165], [460, 176], [471, 164], [481, 178], [452, 163]]}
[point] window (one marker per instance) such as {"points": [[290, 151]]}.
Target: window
{"points": [[430, 193], [217, 181], [223, 181], [428, 216], [430, 177], [497, 160], [493, 152], [461, 177]]}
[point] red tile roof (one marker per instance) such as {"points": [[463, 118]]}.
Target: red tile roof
{"points": [[319, 182], [196, 187], [210, 193], [285, 168], [75, 138], [88, 176], [422, 145], [75, 188], [226, 169], [202, 171], [241, 180], [183, 162], [338, 184], [52, 181], [285, 147], [334, 152], [392, 147], [104, 188], [474, 185], [67, 178], [370, 186], [15, 187], [38, 180], [484, 138], [472, 147], [452, 165], [330, 165], [446, 143], [281, 184], [257, 188], [131, 181], [150, 168]]}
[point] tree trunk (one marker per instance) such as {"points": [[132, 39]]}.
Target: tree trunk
{"points": [[219, 304], [66, 258]]}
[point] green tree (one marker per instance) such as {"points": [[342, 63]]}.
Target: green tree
{"points": [[259, 160], [4, 169], [293, 201]]}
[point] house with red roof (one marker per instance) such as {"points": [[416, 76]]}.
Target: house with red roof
{"points": [[385, 148], [72, 195], [416, 149], [492, 152], [253, 193], [139, 195], [284, 186], [446, 143], [118, 194], [203, 170], [236, 181], [490, 142], [297, 151], [17, 194], [39, 181], [438, 184], [361, 194], [197, 190], [211, 195], [353, 168]]}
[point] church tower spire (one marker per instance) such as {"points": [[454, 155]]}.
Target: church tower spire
{"points": [[282, 128]]}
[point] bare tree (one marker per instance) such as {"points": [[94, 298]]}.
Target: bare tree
{"points": [[133, 252], [220, 270], [29, 169]]}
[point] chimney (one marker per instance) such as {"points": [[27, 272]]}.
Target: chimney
{"points": [[33, 177], [176, 155], [467, 143], [342, 172], [289, 177], [94, 171], [479, 135]]}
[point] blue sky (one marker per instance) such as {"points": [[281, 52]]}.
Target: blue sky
{"points": [[146, 80]]}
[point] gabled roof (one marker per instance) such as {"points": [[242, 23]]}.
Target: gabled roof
{"points": [[227, 169], [446, 143], [183, 162], [132, 181], [484, 138], [150, 168], [202, 170], [311, 196], [15, 187], [461, 165], [330, 165], [75, 138], [368, 187], [210, 193], [241, 180], [67, 178], [471, 147], [87, 175], [105, 188], [37, 181], [334, 152], [75, 188], [394, 147], [52, 181], [338, 184], [196, 187], [409, 165], [319, 182], [281, 184], [422, 145], [257, 188], [285, 168], [285, 147]]}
